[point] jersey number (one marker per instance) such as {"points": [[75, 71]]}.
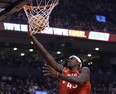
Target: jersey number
{"points": [[69, 85]]}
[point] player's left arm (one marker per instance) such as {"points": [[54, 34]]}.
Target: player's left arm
{"points": [[84, 76], [80, 80]]}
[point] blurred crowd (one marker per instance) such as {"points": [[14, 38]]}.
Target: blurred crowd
{"points": [[75, 14], [103, 87], [29, 85], [27, 78]]}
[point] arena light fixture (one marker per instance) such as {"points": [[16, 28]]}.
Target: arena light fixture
{"points": [[58, 52], [89, 55], [31, 42], [15, 49], [90, 63], [31, 50], [97, 49], [22, 54]]}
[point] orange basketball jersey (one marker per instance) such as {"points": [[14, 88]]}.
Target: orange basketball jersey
{"points": [[70, 88]]}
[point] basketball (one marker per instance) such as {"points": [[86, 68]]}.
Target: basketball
{"points": [[37, 23]]}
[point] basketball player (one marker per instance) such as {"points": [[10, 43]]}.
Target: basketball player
{"points": [[74, 79]]}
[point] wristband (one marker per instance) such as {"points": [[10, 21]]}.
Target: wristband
{"points": [[57, 74]]}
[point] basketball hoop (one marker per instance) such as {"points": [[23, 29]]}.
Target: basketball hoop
{"points": [[38, 12]]}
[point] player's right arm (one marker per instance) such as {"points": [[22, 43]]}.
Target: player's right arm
{"points": [[80, 80], [48, 57]]}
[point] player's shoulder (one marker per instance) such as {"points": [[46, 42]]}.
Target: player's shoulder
{"points": [[85, 69]]}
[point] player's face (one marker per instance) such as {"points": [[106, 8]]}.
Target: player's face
{"points": [[72, 62]]}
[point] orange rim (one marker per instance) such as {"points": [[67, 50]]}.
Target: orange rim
{"points": [[32, 7]]}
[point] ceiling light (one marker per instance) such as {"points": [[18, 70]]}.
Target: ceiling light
{"points": [[15, 49], [89, 55], [96, 49], [89, 64], [31, 42], [31, 50], [58, 52], [22, 54]]}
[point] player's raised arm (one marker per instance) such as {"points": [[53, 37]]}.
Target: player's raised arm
{"points": [[48, 57]]}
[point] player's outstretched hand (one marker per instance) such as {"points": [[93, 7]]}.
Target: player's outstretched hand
{"points": [[48, 70], [30, 33]]}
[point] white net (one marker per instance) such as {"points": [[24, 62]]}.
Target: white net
{"points": [[38, 12]]}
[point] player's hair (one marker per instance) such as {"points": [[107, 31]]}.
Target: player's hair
{"points": [[78, 59]]}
